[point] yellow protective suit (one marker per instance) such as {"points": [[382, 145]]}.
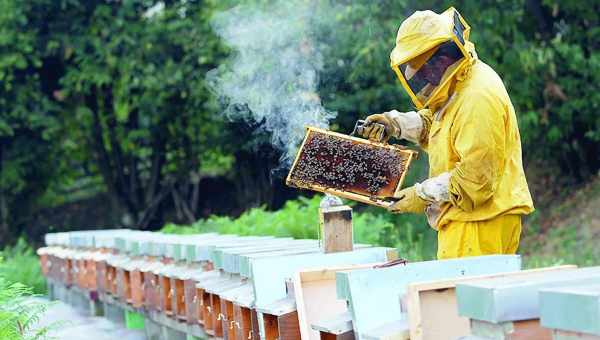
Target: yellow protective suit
{"points": [[469, 130]]}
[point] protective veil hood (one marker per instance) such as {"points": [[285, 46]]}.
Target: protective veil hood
{"points": [[431, 50]]}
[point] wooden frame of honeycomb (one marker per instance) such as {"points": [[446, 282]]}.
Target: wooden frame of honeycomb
{"points": [[350, 167]]}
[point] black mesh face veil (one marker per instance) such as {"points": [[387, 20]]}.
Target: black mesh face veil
{"points": [[427, 71]]}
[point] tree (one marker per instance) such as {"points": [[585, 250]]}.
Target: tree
{"points": [[28, 121], [134, 88]]}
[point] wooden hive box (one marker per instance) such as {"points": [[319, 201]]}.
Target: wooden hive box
{"points": [[79, 270], [509, 307], [123, 284], [373, 295], [219, 330], [350, 167], [229, 325], [151, 287], [166, 291], [280, 320], [58, 269], [238, 324], [203, 299], [137, 286], [191, 297], [90, 277], [432, 306], [111, 279], [67, 271], [53, 267], [178, 296], [101, 278], [44, 260]]}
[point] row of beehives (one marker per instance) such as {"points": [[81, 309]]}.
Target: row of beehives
{"points": [[277, 288]]}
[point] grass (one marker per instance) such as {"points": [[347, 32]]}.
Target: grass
{"points": [[565, 231], [20, 264]]}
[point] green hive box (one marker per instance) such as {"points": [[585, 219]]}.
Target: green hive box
{"points": [[134, 320]]}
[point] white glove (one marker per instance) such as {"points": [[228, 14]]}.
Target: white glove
{"points": [[409, 124], [435, 189]]}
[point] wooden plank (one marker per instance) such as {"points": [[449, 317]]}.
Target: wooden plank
{"points": [[271, 328], [432, 308], [178, 299], [255, 327], [137, 288], [575, 309], [101, 280], [288, 326], [374, 295], [242, 318], [336, 228], [166, 292], [191, 301], [316, 300], [516, 298], [229, 328]]}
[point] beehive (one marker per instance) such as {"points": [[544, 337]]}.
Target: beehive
{"points": [[350, 167]]}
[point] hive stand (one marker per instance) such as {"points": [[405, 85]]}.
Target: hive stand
{"points": [[571, 312], [374, 295], [508, 307], [432, 309]]}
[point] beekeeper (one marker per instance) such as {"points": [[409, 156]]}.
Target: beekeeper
{"points": [[476, 193]]}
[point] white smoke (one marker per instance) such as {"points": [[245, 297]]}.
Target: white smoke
{"points": [[272, 74]]}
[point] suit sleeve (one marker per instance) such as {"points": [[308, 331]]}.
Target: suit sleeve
{"points": [[426, 119], [478, 138]]}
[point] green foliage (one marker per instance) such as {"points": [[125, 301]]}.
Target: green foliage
{"points": [[21, 265], [19, 313], [21, 281], [299, 219]]}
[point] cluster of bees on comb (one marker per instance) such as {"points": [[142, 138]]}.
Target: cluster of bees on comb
{"points": [[334, 162]]}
